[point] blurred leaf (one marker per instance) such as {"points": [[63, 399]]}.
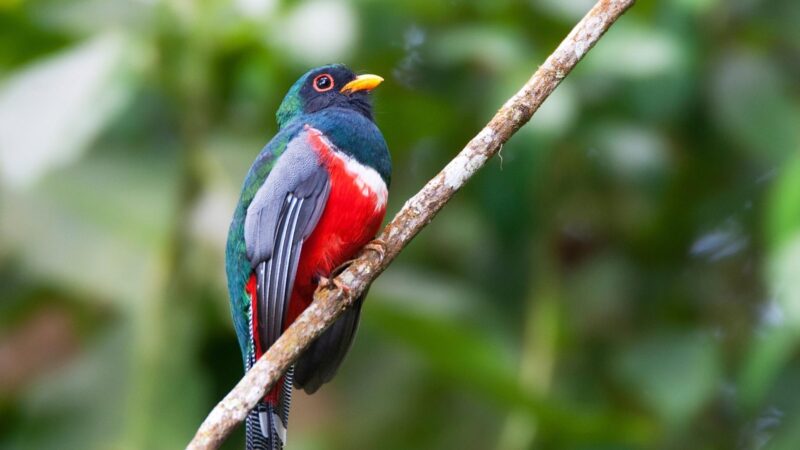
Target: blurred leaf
{"points": [[168, 392], [674, 375], [477, 360], [631, 153], [600, 295], [785, 261], [698, 6], [450, 347], [567, 10], [643, 179], [95, 16], [51, 110], [495, 48], [779, 337], [317, 32], [83, 405], [783, 213], [633, 50], [776, 344], [787, 436], [96, 228], [9, 4], [752, 103], [432, 295], [256, 8]]}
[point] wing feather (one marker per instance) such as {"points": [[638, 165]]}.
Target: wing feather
{"points": [[283, 214]]}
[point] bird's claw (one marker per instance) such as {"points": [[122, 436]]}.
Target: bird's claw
{"points": [[378, 246], [332, 284]]}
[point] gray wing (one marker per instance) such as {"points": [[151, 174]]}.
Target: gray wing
{"points": [[281, 216]]}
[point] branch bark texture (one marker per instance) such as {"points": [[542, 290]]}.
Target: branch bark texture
{"points": [[330, 301]]}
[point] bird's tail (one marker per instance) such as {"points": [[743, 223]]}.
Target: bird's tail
{"points": [[266, 424]]}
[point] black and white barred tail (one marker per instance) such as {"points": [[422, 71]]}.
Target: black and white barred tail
{"points": [[266, 424]]}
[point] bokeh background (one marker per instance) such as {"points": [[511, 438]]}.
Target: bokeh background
{"points": [[626, 276]]}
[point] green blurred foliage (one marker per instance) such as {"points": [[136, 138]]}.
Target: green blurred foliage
{"points": [[625, 276]]}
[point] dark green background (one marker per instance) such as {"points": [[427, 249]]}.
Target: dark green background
{"points": [[627, 276]]}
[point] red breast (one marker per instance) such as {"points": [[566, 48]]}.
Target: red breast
{"points": [[355, 210]]}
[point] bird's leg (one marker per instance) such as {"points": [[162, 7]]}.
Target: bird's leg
{"points": [[332, 283], [378, 246], [341, 268]]}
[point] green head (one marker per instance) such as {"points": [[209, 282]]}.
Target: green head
{"points": [[328, 86]]}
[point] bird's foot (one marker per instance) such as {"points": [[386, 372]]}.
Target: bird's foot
{"points": [[378, 246], [332, 284]]}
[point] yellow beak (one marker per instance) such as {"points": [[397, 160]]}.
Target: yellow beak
{"points": [[362, 83]]}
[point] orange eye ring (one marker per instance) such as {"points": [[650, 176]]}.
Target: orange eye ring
{"points": [[322, 83]]}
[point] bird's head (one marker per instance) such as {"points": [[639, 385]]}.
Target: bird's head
{"points": [[328, 86]]}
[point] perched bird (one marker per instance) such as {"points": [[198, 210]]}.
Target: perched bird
{"points": [[315, 195]]}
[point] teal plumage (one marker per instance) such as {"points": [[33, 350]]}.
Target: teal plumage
{"points": [[314, 196]]}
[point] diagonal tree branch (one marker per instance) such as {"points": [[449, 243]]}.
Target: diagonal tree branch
{"points": [[331, 301]]}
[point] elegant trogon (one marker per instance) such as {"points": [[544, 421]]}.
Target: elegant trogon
{"points": [[314, 196]]}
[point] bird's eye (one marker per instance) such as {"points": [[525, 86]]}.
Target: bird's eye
{"points": [[323, 83]]}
